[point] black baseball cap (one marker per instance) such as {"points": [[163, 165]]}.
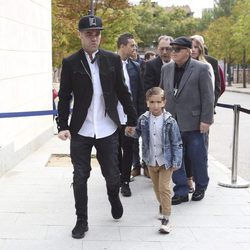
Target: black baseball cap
{"points": [[90, 22], [182, 41]]}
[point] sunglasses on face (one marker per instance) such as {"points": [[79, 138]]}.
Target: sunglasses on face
{"points": [[177, 49]]}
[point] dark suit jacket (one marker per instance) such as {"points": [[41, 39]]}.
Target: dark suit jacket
{"points": [[152, 74], [76, 82], [217, 87], [136, 86]]}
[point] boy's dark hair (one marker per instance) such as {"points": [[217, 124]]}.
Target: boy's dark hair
{"points": [[155, 91], [123, 39]]}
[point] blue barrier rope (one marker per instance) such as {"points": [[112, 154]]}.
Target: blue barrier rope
{"points": [[54, 112], [28, 113], [225, 105]]}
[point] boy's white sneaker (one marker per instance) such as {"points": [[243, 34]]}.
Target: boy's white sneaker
{"points": [[165, 226]]}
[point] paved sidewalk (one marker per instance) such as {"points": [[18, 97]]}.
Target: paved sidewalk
{"points": [[238, 88], [37, 211]]}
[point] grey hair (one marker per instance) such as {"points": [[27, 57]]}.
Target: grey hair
{"points": [[167, 38]]}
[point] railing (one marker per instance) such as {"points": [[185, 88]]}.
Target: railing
{"points": [[234, 183]]}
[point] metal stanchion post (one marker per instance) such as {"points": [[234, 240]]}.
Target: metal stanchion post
{"points": [[234, 183]]}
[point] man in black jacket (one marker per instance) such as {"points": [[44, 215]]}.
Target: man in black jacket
{"points": [[152, 74], [94, 79], [126, 46]]}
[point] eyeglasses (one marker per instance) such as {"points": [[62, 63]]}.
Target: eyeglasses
{"points": [[177, 49], [165, 48]]}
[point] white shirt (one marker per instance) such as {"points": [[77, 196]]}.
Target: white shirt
{"points": [[97, 124], [122, 116], [155, 140]]}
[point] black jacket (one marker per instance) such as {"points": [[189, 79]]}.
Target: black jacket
{"points": [[217, 87], [152, 74], [137, 90], [76, 83]]}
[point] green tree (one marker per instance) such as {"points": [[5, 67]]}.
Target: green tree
{"points": [[223, 8], [205, 20], [218, 38], [117, 15], [154, 21], [241, 29], [65, 16]]}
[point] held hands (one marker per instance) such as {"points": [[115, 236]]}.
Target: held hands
{"points": [[64, 135], [129, 131], [204, 127]]}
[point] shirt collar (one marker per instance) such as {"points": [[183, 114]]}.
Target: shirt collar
{"points": [[125, 61], [93, 55]]}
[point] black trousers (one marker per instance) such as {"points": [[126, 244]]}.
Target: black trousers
{"points": [[126, 145], [107, 156]]}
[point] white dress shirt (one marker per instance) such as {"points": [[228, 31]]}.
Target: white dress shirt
{"points": [[155, 140], [122, 116], [97, 124]]}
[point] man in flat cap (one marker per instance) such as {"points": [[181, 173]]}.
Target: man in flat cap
{"points": [[190, 99], [94, 79]]}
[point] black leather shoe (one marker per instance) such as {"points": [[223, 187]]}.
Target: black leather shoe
{"points": [[80, 229], [125, 189], [178, 199], [116, 207], [198, 195]]}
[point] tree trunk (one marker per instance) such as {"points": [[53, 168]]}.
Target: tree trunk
{"points": [[244, 68], [237, 73]]}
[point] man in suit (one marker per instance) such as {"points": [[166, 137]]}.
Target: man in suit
{"points": [[190, 99], [94, 79], [152, 72], [126, 46]]}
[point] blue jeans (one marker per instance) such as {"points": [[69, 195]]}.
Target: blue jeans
{"points": [[195, 154]]}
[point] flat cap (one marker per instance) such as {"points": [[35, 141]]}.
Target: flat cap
{"points": [[90, 22], [182, 41]]}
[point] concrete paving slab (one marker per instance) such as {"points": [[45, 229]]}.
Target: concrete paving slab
{"points": [[37, 211]]}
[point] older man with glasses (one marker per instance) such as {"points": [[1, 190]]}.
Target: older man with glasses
{"points": [[189, 94], [153, 67]]}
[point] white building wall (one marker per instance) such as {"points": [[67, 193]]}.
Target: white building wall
{"points": [[25, 77]]}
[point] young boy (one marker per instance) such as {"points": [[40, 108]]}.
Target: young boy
{"points": [[161, 149]]}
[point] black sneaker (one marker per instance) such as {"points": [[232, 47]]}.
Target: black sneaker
{"points": [[80, 229], [125, 189], [116, 207], [198, 195], [165, 226], [178, 199]]}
